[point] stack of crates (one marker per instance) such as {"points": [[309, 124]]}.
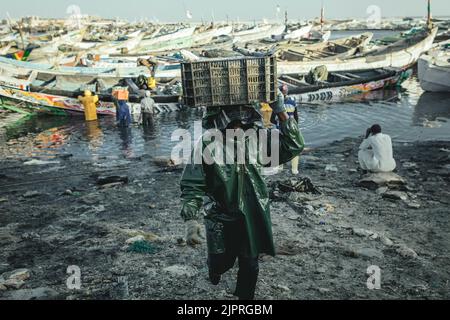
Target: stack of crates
{"points": [[229, 82]]}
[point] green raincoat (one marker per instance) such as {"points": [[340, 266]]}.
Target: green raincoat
{"points": [[236, 190]]}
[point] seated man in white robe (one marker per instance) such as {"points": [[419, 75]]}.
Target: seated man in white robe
{"points": [[375, 153]]}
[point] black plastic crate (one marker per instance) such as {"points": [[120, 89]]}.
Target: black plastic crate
{"points": [[227, 82]]}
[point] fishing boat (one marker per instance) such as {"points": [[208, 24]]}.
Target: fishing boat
{"points": [[319, 35], [400, 54], [9, 38], [172, 41], [434, 69], [4, 50], [205, 37], [116, 47], [340, 48], [257, 33], [443, 36], [63, 102], [339, 85], [297, 34], [315, 52], [50, 48], [11, 67], [129, 42]]}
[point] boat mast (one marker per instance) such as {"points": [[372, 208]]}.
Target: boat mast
{"points": [[286, 20], [429, 21], [20, 25], [321, 18], [278, 13]]}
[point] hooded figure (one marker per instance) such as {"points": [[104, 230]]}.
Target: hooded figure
{"points": [[123, 114], [90, 105], [238, 223]]}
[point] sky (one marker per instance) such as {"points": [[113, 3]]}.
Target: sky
{"points": [[175, 10]]}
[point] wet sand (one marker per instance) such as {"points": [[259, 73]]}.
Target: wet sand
{"points": [[56, 215]]}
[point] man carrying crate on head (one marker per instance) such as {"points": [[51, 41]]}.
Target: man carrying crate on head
{"points": [[237, 220]]}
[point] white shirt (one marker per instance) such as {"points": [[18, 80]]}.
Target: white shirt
{"points": [[380, 158], [147, 105]]}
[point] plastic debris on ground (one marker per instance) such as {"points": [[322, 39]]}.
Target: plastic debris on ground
{"points": [[143, 247], [297, 185]]}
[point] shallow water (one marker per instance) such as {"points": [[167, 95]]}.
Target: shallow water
{"points": [[407, 115]]}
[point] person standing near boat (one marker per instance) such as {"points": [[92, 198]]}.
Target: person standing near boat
{"points": [[147, 110], [375, 153], [124, 115], [116, 106], [290, 105], [90, 105]]}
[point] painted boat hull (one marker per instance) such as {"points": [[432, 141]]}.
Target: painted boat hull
{"points": [[338, 93], [62, 105], [53, 104]]}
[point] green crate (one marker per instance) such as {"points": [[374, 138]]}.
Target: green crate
{"points": [[228, 82]]}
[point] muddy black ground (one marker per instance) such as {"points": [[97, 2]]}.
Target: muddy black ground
{"points": [[54, 215]]}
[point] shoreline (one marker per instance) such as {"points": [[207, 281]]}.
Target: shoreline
{"points": [[8, 118], [56, 214]]}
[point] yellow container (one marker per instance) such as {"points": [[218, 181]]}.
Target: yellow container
{"points": [[152, 83], [266, 111]]}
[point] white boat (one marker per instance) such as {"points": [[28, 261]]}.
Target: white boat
{"points": [[57, 59], [303, 32], [10, 67], [206, 36], [5, 49], [400, 54], [434, 69], [257, 33], [9, 38], [119, 47], [321, 36], [113, 47], [49, 49], [330, 50], [163, 71], [172, 41]]}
